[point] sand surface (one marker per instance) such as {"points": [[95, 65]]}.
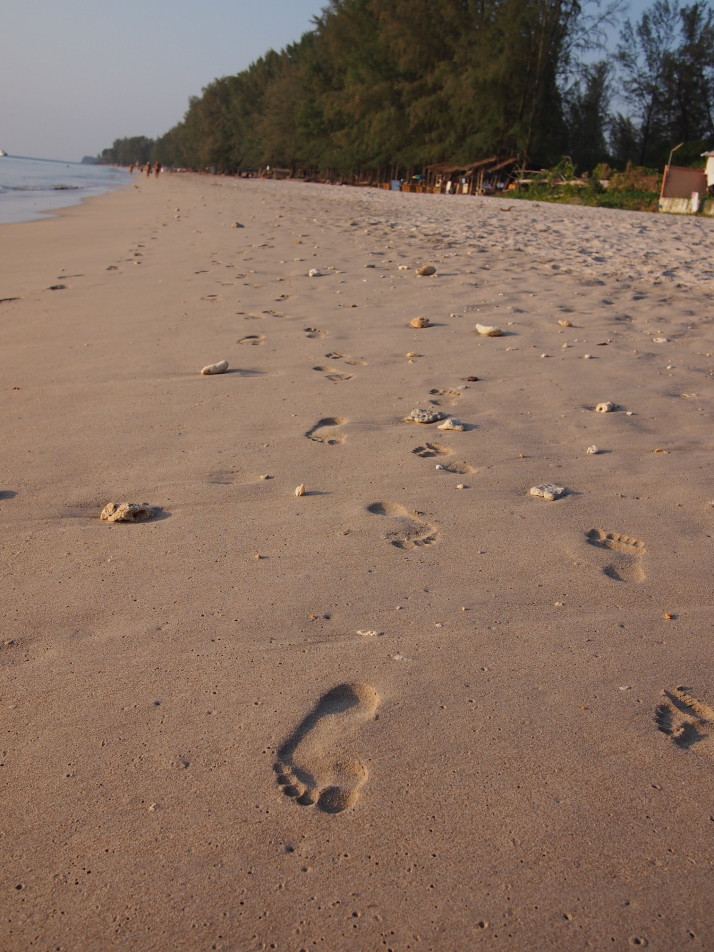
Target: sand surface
{"points": [[390, 713]]}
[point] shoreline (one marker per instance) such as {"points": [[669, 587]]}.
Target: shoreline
{"points": [[391, 712]]}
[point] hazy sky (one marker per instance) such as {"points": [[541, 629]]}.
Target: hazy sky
{"points": [[77, 74]]}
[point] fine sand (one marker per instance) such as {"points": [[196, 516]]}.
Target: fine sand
{"points": [[415, 707]]}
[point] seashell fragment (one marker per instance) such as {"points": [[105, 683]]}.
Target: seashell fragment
{"points": [[592, 450], [128, 512], [419, 322], [548, 491], [606, 407], [237, 224], [486, 330], [427, 415], [565, 323], [300, 490], [426, 270], [451, 424], [219, 368], [314, 273], [369, 633]]}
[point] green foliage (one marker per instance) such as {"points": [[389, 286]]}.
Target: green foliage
{"points": [[636, 188], [394, 85], [133, 151]]}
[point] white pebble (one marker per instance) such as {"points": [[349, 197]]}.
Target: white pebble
{"points": [[219, 368], [592, 450], [300, 490], [548, 491]]}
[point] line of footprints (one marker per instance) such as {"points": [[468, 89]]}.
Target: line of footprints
{"points": [[316, 765]]}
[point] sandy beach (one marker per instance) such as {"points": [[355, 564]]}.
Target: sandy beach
{"points": [[417, 707]]}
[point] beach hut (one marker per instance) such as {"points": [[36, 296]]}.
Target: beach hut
{"points": [[684, 190]]}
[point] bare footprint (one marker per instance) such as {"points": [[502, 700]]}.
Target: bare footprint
{"points": [[429, 450], [325, 431], [316, 764], [314, 332], [408, 532], [686, 721], [252, 340], [352, 361], [625, 566], [449, 397], [332, 374]]}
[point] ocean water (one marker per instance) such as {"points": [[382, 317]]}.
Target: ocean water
{"points": [[33, 188]]}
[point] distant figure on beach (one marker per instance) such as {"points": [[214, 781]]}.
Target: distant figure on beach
{"points": [[157, 168], [131, 169], [148, 169]]}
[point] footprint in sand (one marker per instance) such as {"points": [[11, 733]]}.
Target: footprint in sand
{"points": [[333, 374], [316, 764], [352, 361], [449, 397], [326, 431], [408, 530], [313, 332], [251, 340], [626, 566], [686, 721], [429, 450]]}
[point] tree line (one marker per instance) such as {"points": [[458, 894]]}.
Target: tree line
{"points": [[395, 85]]}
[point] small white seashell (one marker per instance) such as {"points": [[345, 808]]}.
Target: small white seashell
{"points": [[314, 273], [486, 330], [548, 491], [439, 466], [587, 356], [606, 407], [219, 368], [300, 490], [128, 512], [545, 355], [369, 633], [419, 322], [427, 415], [265, 476], [592, 450], [426, 271], [403, 267], [460, 486], [452, 424], [660, 340]]}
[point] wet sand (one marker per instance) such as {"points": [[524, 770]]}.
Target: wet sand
{"points": [[416, 707]]}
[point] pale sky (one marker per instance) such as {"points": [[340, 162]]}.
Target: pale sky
{"points": [[77, 74]]}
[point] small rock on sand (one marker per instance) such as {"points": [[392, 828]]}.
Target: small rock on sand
{"points": [[419, 322], [451, 424], [128, 512], [426, 271], [606, 407], [486, 330], [548, 491], [424, 415], [219, 368]]}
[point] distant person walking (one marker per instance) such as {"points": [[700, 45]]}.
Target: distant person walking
{"points": [[148, 169], [157, 168]]}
